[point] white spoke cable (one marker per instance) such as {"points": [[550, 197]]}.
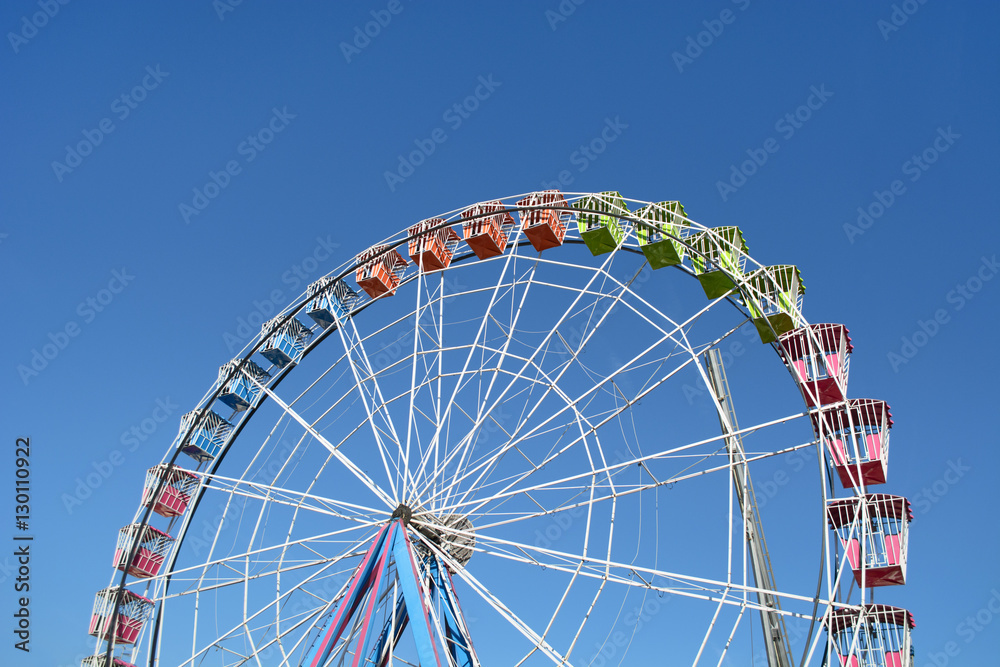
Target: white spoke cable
{"points": [[691, 581], [269, 492], [350, 465], [498, 606]]}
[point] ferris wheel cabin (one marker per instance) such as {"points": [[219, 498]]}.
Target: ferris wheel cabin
{"points": [[207, 434], [285, 342], [486, 228], [379, 271], [432, 249], [857, 437], [99, 660], [877, 637], [659, 229], [718, 257], [545, 227], [773, 295], [601, 231], [178, 485], [820, 356], [332, 301], [151, 551], [132, 613], [873, 531], [240, 384]]}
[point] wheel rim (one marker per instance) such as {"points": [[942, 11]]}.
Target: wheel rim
{"points": [[499, 403]]}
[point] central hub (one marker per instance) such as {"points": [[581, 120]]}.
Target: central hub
{"points": [[403, 512], [451, 533]]}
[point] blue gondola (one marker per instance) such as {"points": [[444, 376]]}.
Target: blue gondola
{"points": [[285, 343], [331, 302], [207, 435], [239, 389]]}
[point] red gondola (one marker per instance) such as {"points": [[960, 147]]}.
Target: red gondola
{"points": [[149, 555], [132, 613], [432, 249], [486, 228], [857, 436], [819, 355], [545, 227], [873, 531], [178, 486], [380, 271]]}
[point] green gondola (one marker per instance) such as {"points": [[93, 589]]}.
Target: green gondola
{"points": [[602, 232], [718, 257], [773, 295], [658, 227]]}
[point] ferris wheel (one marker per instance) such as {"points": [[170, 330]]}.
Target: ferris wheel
{"points": [[507, 436]]}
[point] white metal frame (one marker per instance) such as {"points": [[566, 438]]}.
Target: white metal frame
{"points": [[415, 462]]}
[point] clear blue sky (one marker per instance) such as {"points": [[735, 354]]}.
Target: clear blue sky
{"points": [[118, 118]]}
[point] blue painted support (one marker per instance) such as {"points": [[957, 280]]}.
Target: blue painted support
{"points": [[388, 636], [455, 631], [321, 649], [409, 581], [368, 621], [392, 553], [443, 598]]}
